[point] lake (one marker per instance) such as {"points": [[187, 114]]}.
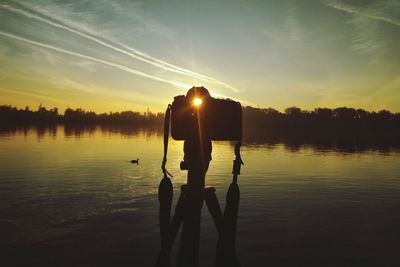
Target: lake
{"points": [[71, 197]]}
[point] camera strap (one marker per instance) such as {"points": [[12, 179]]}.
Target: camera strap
{"points": [[166, 137], [238, 162]]}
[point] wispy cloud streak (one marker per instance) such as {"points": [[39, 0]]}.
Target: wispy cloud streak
{"points": [[98, 60], [115, 45], [361, 12]]}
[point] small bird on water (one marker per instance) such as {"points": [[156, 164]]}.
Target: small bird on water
{"points": [[135, 161]]}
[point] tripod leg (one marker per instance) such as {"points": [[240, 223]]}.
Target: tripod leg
{"points": [[173, 228], [213, 206], [165, 193], [189, 247], [178, 215], [226, 254]]}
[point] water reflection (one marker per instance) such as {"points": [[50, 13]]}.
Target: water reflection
{"points": [[77, 131], [251, 139], [343, 144], [72, 191]]}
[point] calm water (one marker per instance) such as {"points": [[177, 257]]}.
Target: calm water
{"points": [[71, 198]]}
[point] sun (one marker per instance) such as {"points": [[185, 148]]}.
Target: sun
{"points": [[197, 101]]}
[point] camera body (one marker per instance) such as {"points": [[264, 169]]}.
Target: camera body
{"points": [[211, 118]]}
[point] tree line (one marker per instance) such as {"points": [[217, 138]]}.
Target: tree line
{"points": [[11, 116], [322, 125], [293, 121]]}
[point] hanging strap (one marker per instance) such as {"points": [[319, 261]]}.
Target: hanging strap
{"points": [[238, 162], [166, 136]]}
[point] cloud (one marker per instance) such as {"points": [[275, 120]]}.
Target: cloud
{"points": [[34, 95], [84, 64], [104, 62], [117, 46], [371, 33], [292, 22], [365, 12], [367, 35], [134, 12], [41, 54]]}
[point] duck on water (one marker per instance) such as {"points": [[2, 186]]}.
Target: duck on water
{"points": [[135, 161]]}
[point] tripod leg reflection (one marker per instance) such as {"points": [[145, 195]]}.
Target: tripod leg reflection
{"points": [[213, 206], [226, 252]]}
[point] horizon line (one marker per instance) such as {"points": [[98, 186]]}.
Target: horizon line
{"points": [[156, 112]]}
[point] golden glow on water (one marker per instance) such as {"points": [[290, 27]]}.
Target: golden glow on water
{"points": [[105, 154], [72, 176]]}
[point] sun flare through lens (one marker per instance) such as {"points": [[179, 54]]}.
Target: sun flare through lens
{"points": [[197, 102]]}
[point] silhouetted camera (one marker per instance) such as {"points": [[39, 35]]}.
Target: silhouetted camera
{"points": [[198, 113]]}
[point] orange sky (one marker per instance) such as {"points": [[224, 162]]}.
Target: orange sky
{"points": [[118, 55]]}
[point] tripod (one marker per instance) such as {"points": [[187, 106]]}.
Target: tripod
{"points": [[188, 208]]}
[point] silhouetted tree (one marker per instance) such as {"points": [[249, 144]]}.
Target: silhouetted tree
{"points": [[320, 124]]}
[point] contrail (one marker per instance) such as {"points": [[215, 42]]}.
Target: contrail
{"points": [[246, 103], [84, 35], [136, 54], [35, 95], [365, 13], [105, 62], [178, 69]]}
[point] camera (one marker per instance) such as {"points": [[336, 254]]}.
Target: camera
{"points": [[198, 113]]}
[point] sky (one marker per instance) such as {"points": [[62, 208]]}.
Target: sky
{"points": [[109, 55]]}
